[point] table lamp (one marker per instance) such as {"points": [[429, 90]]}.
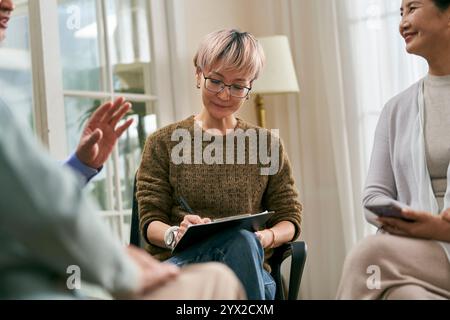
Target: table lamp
{"points": [[278, 75]]}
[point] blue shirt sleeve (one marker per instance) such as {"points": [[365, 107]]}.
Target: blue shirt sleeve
{"points": [[85, 171]]}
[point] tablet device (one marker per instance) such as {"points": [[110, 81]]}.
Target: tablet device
{"points": [[388, 211]]}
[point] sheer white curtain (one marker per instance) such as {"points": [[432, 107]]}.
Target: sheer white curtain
{"points": [[350, 60], [378, 64], [317, 142]]}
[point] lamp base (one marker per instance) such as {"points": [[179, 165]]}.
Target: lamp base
{"points": [[260, 111]]}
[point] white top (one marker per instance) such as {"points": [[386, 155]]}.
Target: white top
{"points": [[437, 133]]}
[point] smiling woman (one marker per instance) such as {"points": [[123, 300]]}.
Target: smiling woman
{"points": [[6, 7], [424, 26], [410, 168]]}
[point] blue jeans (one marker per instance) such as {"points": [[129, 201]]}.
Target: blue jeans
{"points": [[242, 252]]}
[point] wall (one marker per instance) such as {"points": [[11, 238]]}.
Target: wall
{"points": [[193, 19]]}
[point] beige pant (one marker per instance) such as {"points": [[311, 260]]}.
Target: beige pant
{"points": [[384, 266], [206, 281]]}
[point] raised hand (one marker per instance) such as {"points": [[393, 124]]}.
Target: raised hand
{"points": [[100, 134]]}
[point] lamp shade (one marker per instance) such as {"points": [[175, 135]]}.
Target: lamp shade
{"points": [[278, 75]]}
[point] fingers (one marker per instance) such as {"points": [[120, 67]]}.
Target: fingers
{"points": [[395, 231], [119, 101], [95, 137], [108, 115], [446, 215], [396, 223], [264, 238], [188, 221], [414, 215], [184, 225], [193, 219], [398, 226], [120, 130], [101, 112], [180, 234], [118, 115]]}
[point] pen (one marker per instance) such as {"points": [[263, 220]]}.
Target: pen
{"points": [[184, 205]]}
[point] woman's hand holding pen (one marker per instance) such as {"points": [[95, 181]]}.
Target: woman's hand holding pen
{"points": [[188, 220]]}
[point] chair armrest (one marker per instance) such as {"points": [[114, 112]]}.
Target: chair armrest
{"points": [[297, 250], [135, 234]]}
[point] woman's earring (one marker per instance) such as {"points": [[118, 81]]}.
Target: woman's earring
{"points": [[198, 85]]}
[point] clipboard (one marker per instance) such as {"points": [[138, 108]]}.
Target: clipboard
{"points": [[199, 232]]}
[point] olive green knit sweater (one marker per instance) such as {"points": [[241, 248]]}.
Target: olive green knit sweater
{"points": [[211, 190]]}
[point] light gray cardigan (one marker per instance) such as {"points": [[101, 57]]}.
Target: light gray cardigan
{"points": [[393, 175]]}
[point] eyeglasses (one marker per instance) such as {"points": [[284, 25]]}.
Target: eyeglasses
{"points": [[217, 86]]}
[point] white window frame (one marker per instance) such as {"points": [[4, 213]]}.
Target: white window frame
{"points": [[47, 76], [49, 95]]}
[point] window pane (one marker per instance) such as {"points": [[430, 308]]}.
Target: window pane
{"points": [[16, 87], [84, 55], [130, 45], [381, 67], [79, 41], [131, 146]]}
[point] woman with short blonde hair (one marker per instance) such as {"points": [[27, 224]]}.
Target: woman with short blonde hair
{"points": [[226, 65]]}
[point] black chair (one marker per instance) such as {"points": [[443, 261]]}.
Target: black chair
{"points": [[296, 250]]}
